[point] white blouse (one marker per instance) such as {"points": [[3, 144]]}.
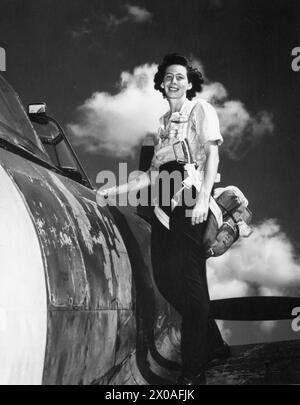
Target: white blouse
{"points": [[201, 127]]}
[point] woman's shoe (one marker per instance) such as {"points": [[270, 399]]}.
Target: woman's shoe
{"points": [[196, 379]]}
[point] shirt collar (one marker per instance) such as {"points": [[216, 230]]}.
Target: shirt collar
{"points": [[185, 105], [177, 114], [181, 114]]}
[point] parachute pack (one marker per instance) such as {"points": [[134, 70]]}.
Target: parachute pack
{"points": [[236, 217]]}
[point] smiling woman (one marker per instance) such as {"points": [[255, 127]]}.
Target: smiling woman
{"points": [[187, 141], [2, 60]]}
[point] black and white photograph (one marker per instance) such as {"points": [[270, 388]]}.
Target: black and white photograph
{"points": [[149, 206]]}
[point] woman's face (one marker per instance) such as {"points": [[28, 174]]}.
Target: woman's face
{"points": [[176, 82]]}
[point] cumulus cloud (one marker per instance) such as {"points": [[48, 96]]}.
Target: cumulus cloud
{"points": [[116, 123], [239, 127]]}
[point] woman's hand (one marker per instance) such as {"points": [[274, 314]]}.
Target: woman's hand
{"points": [[108, 192], [200, 211], [104, 196]]}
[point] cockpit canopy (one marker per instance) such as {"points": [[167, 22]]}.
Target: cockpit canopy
{"points": [[15, 126]]}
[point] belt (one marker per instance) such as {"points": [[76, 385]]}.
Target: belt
{"points": [[195, 178]]}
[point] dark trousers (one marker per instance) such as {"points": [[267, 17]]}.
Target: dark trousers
{"points": [[179, 267]]}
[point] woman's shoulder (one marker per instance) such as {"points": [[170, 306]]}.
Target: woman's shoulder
{"points": [[202, 105], [206, 121], [203, 110]]}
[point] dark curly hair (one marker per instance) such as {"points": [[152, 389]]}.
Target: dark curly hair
{"points": [[194, 75]]}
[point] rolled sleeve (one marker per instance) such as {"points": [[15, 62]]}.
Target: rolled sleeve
{"points": [[206, 123]]}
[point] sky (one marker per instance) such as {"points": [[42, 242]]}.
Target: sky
{"points": [[93, 63]]}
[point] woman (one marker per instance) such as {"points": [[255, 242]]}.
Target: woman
{"points": [[178, 255]]}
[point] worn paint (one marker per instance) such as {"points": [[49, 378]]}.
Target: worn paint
{"points": [[90, 277], [83, 283], [64, 239], [78, 212]]}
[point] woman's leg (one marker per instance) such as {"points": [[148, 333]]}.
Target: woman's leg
{"points": [[215, 339], [200, 334], [196, 313], [179, 269], [165, 259]]}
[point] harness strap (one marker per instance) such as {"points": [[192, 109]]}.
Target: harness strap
{"points": [[194, 178], [215, 209]]}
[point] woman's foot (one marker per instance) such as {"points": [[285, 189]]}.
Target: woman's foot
{"points": [[189, 379]]}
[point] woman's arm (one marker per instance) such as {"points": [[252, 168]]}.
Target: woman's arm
{"points": [[138, 183], [200, 210]]}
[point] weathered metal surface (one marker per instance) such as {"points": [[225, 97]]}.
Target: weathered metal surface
{"points": [[90, 354], [98, 322], [87, 271], [75, 237], [154, 315]]}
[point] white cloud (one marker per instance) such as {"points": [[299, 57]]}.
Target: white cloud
{"points": [[240, 129], [116, 124]]}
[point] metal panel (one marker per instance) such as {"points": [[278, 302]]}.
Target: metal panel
{"points": [[90, 323]]}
